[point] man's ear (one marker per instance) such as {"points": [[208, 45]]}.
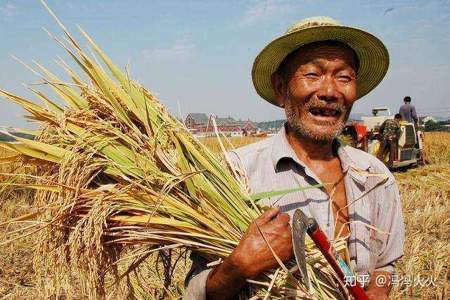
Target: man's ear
{"points": [[279, 87]]}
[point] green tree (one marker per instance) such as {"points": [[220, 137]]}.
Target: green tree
{"points": [[432, 126]]}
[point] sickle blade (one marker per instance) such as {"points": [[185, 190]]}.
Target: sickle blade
{"points": [[299, 226]]}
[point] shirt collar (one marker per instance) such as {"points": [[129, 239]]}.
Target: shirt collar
{"points": [[355, 161], [350, 163], [282, 149]]}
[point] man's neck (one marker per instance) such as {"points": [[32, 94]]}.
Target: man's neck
{"points": [[309, 150]]}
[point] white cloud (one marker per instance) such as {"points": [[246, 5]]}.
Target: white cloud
{"points": [[8, 9], [263, 10], [180, 49]]}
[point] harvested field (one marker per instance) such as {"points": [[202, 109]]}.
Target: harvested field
{"points": [[16, 272], [437, 147], [229, 143], [425, 194]]}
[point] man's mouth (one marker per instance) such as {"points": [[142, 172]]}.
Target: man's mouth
{"points": [[325, 112]]}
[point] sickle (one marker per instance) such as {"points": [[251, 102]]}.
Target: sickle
{"points": [[299, 227]]}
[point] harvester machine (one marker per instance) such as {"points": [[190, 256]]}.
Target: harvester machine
{"points": [[365, 135]]}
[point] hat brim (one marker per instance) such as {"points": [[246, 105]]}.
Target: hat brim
{"points": [[372, 55]]}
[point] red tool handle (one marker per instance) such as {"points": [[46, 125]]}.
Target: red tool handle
{"points": [[321, 240]]}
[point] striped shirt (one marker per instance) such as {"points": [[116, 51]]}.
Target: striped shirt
{"points": [[372, 195]]}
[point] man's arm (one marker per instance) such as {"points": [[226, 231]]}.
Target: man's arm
{"points": [[194, 284], [250, 258], [382, 127], [414, 114], [225, 281]]}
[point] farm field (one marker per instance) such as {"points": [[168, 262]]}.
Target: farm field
{"points": [[423, 272]]}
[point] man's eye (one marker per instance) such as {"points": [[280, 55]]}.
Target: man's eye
{"points": [[345, 78], [311, 75]]}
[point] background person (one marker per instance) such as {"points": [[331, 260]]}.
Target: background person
{"points": [[390, 133], [408, 111]]}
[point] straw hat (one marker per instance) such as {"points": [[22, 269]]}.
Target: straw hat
{"points": [[372, 54]]}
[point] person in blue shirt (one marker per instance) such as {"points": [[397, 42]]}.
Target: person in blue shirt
{"points": [[408, 111]]}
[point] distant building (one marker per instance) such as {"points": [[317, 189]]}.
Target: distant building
{"points": [[226, 126], [201, 125], [196, 121], [250, 128], [223, 121]]}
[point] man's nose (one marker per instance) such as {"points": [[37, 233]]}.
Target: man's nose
{"points": [[328, 89]]}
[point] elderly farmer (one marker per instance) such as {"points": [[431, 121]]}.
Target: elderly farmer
{"points": [[315, 71]]}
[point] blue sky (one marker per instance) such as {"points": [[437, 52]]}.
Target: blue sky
{"points": [[199, 53]]}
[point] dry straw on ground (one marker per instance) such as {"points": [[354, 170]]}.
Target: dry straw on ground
{"points": [[425, 195]]}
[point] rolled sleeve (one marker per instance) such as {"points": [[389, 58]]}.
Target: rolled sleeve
{"points": [[390, 219], [195, 283]]}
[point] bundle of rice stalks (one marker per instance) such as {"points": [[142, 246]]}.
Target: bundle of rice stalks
{"points": [[118, 178]]}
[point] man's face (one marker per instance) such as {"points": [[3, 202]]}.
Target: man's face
{"points": [[318, 90]]}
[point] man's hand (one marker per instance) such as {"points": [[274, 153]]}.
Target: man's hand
{"points": [[379, 286], [252, 256]]}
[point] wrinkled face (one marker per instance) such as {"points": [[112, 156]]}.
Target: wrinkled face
{"points": [[317, 88]]}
